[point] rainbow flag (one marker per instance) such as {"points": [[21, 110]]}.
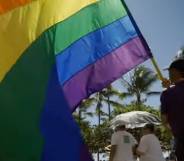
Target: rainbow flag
{"points": [[53, 54]]}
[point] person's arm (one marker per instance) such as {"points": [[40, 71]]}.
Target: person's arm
{"points": [[112, 152], [134, 145], [108, 148], [139, 153], [114, 143], [143, 146], [166, 124], [135, 155], [164, 119], [164, 111]]}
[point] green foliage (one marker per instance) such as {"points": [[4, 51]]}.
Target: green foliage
{"points": [[134, 107], [96, 137], [139, 83], [101, 137], [164, 136], [104, 97]]}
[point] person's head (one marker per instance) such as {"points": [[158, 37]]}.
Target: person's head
{"points": [[120, 128], [176, 70], [148, 129]]}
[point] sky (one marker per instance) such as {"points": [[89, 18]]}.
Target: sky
{"points": [[162, 25]]}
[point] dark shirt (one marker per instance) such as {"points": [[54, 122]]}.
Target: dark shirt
{"points": [[172, 105]]}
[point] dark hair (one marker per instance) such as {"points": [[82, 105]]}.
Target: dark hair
{"points": [[150, 127], [178, 64], [182, 74], [120, 127]]}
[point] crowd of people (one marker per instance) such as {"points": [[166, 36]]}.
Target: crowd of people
{"points": [[124, 146]]}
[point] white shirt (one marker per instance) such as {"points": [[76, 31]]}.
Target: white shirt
{"points": [[150, 145], [124, 142]]}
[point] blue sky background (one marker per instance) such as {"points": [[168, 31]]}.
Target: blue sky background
{"points": [[162, 24]]}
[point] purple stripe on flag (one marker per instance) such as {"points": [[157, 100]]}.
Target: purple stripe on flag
{"points": [[104, 71]]}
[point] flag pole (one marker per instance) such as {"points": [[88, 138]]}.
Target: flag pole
{"points": [[160, 76]]}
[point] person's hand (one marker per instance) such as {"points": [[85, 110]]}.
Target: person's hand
{"points": [[166, 83]]}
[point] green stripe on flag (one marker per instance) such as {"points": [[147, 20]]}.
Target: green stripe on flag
{"points": [[85, 21]]}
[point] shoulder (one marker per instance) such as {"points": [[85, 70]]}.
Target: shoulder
{"points": [[116, 134], [114, 139], [113, 135], [144, 138], [130, 134], [169, 90], [127, 133], [151, 138]]}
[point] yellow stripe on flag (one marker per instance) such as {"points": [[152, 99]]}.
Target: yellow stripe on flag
{"points": [[21, 26]]}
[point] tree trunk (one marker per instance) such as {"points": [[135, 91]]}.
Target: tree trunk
{"points": [[98, 156], [99, 104], [80, 115], [138, 102], [99, 115], [109, 108]]}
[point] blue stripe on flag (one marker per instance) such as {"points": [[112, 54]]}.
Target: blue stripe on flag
{"points": [[94, 46], [62, 138]]}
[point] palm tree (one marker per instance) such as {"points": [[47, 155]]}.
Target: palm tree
{"points": [[139, 84], [82, 109], [107, 94], [105, 97], [99, 99]]}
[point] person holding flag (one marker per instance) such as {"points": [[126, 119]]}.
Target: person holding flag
{"points": [[172, 104]]}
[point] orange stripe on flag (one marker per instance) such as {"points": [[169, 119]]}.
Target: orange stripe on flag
{"points": [[6, 5]]}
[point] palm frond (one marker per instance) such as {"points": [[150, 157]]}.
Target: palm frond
{"points": [[114, 103], [90, 114], [139, 82], [153, 93]]}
